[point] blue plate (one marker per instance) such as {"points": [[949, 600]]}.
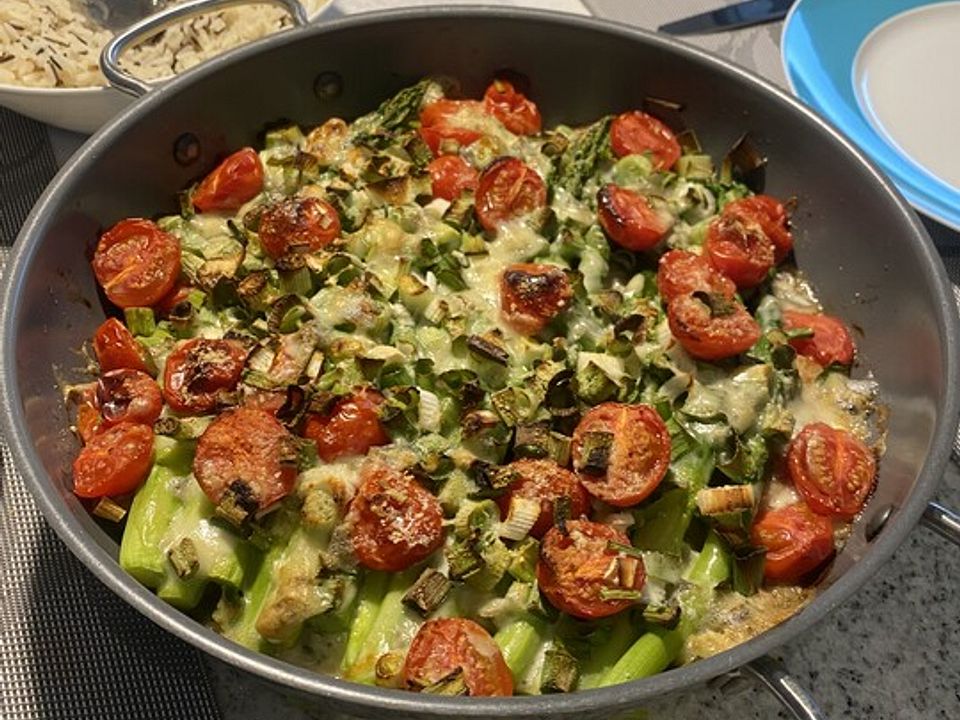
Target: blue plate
{"points": [[821, 39]]}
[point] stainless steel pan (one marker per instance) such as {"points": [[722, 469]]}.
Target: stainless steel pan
{"points": [[855, 237]]}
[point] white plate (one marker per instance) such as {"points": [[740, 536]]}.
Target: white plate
{"points": [[886, 73]]}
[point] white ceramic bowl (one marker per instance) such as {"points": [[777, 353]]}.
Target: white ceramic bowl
{"points": [[83, 109]]}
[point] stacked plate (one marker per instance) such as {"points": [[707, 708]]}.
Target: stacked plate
{"points": [[887, 73]]}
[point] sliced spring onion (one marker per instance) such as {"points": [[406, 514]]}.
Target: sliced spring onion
{"points": [[429, 411], [107, 509], [428, 592], [522, 516], [726, 499], [560, 672]]}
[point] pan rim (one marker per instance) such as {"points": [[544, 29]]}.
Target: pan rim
{"points": [[371, 698]]}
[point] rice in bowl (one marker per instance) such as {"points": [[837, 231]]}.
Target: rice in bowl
{"points": [[51, 43]]}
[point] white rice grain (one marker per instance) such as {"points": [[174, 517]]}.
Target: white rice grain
{"points": [[52, 44]]}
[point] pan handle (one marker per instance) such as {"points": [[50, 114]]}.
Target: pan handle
{"points": [[110, 56], [942, 521], [785, 687]]}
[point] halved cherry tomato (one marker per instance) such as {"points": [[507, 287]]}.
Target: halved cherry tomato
{"points": [[116, 348], [578, 565], [198, 370], [438, 129], [443, 111], [113, 462], [248, 452], [445, 645], [298, 224], [830, 343], [351, 428], [443, 139], [89, 421], [681, 272], [739, 249], [518, 114], [636, 452], [136, 263], [711, 326], [629, 219], [633, 133], [797, 542], [394, 522], [770, 214], [508, 188], [532, 294], [236, 180], [450, 175], [128, 396], [545, 481], [178, 295], [832, 469]]}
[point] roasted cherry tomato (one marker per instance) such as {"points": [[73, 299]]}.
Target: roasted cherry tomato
{"points": [[236, 180], [830, 343], [739, 249], [298, 225], [770, 214], [198, 370], [832, 469], [532, 294], [634, 133], [394, 522], [711, 326], [438, 126], [629, 219], [681, 272], [797, 542], [578, 567], [89, 421], [247, 452], [450, 175], [136, 263], [128, 396], [114, 461], [116, 348], [173, 300], [507, 189], [518, 114], [352, 427], [621, 452], [546, 482], [445, 645]]}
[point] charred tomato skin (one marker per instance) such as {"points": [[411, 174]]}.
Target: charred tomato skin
{"points": [[629, 219], [198, 370], [248, 452], [532, 294]]}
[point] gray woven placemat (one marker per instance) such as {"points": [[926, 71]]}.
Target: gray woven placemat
{"points": [[70, 648]]}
